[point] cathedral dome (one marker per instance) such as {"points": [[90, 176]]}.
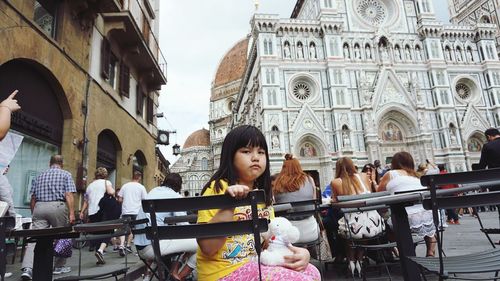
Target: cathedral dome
{"points": [[232, 66], [198, 138]]}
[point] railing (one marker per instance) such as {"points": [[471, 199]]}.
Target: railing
{"points": [[137, 10]]}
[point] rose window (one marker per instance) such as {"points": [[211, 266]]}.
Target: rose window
{"points": [[372, 11], [463, 91], [302, 91]]}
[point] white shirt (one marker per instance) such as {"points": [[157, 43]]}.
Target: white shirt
{"points": [[132, 194], [95, 191], [160, 192]]}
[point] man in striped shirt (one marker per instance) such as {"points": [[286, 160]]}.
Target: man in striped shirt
{"points": [[51, 206]]}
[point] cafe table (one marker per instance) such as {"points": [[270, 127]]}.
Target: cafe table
{"points": [[397, 204]]}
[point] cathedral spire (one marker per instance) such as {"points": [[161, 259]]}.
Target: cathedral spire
{"points": [[256, 3]]}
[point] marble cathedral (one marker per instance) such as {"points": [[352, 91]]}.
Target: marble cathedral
{"points": [[364, 79]]}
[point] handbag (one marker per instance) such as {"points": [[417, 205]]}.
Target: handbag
{"points": [[358, 225], [325, 252], [63, 248]]}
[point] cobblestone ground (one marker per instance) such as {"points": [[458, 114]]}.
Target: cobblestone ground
{"points": [[458, 239]]}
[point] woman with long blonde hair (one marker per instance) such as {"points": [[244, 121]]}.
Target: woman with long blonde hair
{"points": [[354, 225], [291, 185]]}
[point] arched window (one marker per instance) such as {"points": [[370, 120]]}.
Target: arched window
{"points": [[270, 46], [268, 76], [485, 19], [204, 163]]}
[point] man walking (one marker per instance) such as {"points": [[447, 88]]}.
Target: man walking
{"points": [[131, 195], [490, 154], [51, 206]]}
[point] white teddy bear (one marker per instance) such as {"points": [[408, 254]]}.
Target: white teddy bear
{"points": [[281, 234]]}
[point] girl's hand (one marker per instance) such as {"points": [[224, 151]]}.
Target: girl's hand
{"points": [[297, 261], [238, 191]]}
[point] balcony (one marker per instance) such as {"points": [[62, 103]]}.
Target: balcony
{"points": [[143, 48], [127, 22]]}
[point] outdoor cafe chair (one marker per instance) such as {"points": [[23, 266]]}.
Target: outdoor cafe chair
{"points": [[300, 210], [378, 244], [207, 230], [468, 265]]}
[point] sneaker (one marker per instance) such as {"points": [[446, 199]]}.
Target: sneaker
{"points": [[116, 249], [128, 249], [121, 251], [27, 273], [100, 258], [456, 222], [146, 278], [7, 274], [61, 270]]}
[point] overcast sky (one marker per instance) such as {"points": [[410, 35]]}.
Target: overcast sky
{"points": [[194, 36]]}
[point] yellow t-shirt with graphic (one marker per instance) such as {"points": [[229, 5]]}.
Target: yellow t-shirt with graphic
{"points": [[237, 250]]}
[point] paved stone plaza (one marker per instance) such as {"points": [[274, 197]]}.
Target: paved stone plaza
{"points": [[459, 239]]}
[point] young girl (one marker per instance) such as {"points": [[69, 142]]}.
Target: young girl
{"points": [[244, 166]]}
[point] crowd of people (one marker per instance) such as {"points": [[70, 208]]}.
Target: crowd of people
{"points": [[244, 166]]}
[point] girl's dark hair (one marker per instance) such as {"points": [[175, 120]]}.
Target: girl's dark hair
{"points": [[403, 161], [242, 136]]}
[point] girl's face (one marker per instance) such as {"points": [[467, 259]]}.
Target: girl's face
{"points": [[250, 163]]}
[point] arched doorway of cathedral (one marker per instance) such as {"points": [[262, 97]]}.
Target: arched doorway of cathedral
{"points": [[108, 148], [41, 122], [311, 152], [475, 144], [397, 133]]}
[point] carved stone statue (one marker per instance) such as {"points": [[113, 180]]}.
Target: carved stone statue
{"points": [[407, 54], [385, 54], [470, 57], [368, 53], [286, 50], [275, 142], [418, 54], [357, 53], [300, 52], [346, 52], [458, 54], [345, 139], [312, 51]]}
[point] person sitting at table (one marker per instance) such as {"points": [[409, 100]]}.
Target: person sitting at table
{"points": [[349, 182], [374, 178], [403, 177], [170, 188], [291, 185]]}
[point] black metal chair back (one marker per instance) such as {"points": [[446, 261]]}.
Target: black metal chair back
{"points": [[481, 178], [156, 233]]}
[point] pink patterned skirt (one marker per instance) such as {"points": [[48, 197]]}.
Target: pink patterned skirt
{"points": [[250, 272]]}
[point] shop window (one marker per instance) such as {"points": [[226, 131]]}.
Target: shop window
{"points": [[45, 16]]}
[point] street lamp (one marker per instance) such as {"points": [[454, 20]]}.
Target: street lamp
{"points": [[176, 149]]}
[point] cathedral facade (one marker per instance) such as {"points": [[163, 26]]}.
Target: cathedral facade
{"points": [[366, 79]]}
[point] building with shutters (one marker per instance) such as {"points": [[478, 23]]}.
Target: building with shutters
{"points": [[88, 75]]}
